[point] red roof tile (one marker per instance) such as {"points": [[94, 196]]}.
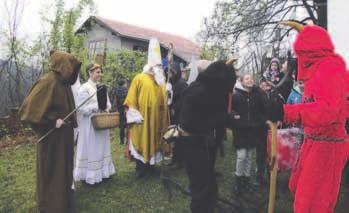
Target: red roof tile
{"points": [[182, 47]]}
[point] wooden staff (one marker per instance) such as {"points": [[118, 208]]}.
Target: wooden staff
{"points": [[274, 167], [170, 59], [66, 117]]}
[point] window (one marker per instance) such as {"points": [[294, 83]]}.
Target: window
{"points": [[96, 48], [139, 48]]}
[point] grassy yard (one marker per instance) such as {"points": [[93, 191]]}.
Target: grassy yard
{"points": [[124, 193]]}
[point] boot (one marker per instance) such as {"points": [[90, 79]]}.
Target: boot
{"points": [[260, 180], [152, 170], [140, 169], [238, 185], [245, 184], [121, 140]]}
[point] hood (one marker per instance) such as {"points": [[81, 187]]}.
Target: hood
{"points": [[269, 74], [277, 61], [313, 44], [66, 66], [238, 87], [219, 76]]}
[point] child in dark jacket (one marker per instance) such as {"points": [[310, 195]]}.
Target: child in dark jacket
{"points": [[249, 103]]}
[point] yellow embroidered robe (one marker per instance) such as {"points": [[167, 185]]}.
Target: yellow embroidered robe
{"points": [[150, 100]]}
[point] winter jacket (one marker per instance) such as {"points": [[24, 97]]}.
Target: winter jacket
{"points": [[252, 108], [295, 97]]}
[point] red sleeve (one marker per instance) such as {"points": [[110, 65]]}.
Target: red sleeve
{"points": [[347, 93], [329, 98]]}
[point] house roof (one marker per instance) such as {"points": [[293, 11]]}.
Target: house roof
{"points": [[183, 47]]}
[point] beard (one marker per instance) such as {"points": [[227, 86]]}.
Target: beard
{"points": [[159, 76]]}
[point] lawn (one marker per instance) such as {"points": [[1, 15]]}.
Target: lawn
{"points": [[124, 193]]}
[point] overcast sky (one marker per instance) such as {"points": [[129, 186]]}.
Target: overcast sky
{"points": [[182, 17]]}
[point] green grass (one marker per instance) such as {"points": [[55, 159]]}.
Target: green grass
{"points": [[124, 193]]}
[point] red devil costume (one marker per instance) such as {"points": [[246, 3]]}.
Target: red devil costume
{"points": [[316, 178]]}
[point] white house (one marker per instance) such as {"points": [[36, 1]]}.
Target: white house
{"points": [[104, 34]]}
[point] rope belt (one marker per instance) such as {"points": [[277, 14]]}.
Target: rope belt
{"points": [[324, 138]]}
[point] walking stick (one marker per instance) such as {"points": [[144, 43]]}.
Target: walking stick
{"points": [[66, 117], [274, 167]]}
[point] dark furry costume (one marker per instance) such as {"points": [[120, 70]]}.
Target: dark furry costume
{"points": [[204, 107]]}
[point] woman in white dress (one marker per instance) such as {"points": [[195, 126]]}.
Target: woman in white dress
{"points": [[93, 155]]}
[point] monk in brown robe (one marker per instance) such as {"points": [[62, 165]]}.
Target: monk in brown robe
{"points": [[48, 102]]}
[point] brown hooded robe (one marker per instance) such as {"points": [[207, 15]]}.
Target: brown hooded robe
{"points": [[49, 99]]}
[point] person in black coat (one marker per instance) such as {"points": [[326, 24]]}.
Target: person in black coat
{"points": [[261, 145], [121, 94], [178, 86], [249, 104], [204, 106]]}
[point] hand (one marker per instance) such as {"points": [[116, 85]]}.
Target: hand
{"points": [[279, 124], [59, 123], [94, 110], [268, 122]]}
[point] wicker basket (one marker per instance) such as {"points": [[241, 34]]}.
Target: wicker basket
{"points": [[105, 120]]}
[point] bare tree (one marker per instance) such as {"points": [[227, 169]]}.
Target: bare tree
{"points": [[24, 60], [11, 72], [20, 57], [251, 27]]}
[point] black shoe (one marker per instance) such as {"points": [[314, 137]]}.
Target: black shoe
{"points": [[238, 185], [152, 170], [260, 180], [141, 169]]}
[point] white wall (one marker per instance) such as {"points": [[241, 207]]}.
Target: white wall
{"points": [[338, 20]]}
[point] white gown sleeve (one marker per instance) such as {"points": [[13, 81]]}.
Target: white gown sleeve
{"points": [[89, 107], [133, 116]]}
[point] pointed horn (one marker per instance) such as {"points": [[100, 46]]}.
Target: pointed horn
{"points": [[295, 25], [231, 61]]}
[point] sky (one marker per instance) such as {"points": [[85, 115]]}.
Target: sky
{"points": [[181, 17]]}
